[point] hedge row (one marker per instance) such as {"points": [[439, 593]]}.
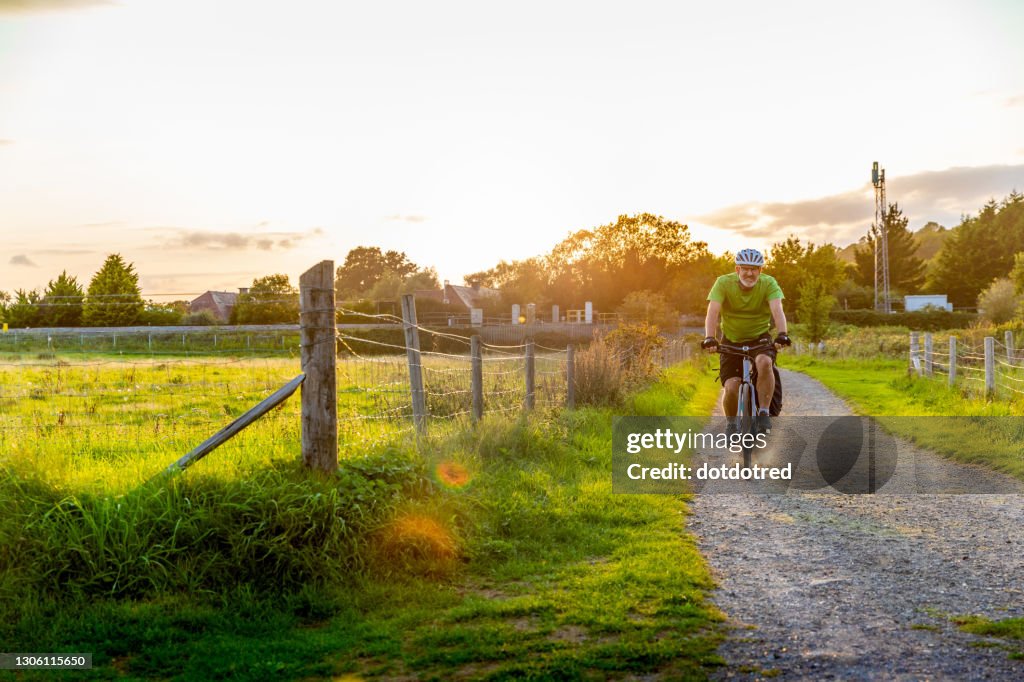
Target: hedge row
{"points": [[919, 320]]}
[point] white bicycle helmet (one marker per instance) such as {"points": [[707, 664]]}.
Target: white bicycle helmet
{"points": [[750, 257]]}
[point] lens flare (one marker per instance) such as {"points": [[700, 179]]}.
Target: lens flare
{"points": [[452, 474]]}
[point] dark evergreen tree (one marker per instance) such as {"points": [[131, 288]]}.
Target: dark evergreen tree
{"points": [[906, 270], [62, 302], [114, 298]]}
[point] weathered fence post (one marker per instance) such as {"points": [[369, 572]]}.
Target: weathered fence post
{"points": [[319, 363], [927, 354], [1008, 338], [570, 377], [915, 360], [952, 360], [990, 365], [477, 376], [413, 355], [530, 355]]}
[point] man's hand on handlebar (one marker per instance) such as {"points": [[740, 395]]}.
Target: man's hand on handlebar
{"points": [[783, 340], [710, 344]]}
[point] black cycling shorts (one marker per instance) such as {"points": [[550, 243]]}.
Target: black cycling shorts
{"points": [[730, 365]]}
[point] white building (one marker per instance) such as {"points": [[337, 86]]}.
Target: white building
{"points": [[912, 303]]}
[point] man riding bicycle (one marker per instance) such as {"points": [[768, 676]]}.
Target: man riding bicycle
{"points": [[747, 302]]}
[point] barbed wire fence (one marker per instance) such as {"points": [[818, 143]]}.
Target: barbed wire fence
{"points": [[993, 369], [136, 395]]}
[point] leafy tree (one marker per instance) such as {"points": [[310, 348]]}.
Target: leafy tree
{"points": [[164, 314], [270, 300], [794, 264], [979, 250], [999, 302], [365, 266], [906, 270], [23, 311], [650, 308], [114, 298], [62, 302], [1017, 273], [814, 308], [5, 300]]}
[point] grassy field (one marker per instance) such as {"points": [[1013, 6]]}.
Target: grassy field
{"points": [[882, 388], [494, 552]]}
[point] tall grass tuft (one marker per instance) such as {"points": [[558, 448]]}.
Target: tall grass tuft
{"points": [[275, 530]]}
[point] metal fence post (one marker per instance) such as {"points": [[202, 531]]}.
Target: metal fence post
{"points": [[530, 376], [477, 376], [928, 354], [570, 377], [415, 359], [990, 366], [319, 363], [952, 360]]}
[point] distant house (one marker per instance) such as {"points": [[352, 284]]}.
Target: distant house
{"points": [[911, 303], [219, 303], [468, 297]]}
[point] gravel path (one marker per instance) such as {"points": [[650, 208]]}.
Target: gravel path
{"points": [[854, 587]]}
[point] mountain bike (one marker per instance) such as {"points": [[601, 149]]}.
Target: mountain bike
{"points": [[746, 406]]}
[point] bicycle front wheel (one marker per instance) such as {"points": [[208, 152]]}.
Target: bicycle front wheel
{"points": [[747, 421]]}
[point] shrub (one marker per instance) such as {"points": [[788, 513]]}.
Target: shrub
{"points": [[998, 303], [615, 363]]}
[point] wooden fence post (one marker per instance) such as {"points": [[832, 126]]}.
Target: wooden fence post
{"points": [[915, 360], [990, 366], [1008, 338], [927, 354], [570, 377], [952, 360], [477, 376], [415, 358], [319, 363], [530, 397]]}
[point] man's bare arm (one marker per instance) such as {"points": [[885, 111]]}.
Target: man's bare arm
{"points": [[711, 321], [781, 326]]}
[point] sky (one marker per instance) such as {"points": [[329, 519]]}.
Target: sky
{"points": [[214, 142]]}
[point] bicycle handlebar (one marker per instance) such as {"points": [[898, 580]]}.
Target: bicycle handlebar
{"points": [[731, 349]]}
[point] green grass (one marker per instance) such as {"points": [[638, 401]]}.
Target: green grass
{"points": [[882, 388], [1007, 629], [495, 552]]}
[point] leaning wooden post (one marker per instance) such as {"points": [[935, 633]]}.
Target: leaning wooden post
{"points": [[570, 377], [990, 366], [319, 364], [415, 358], [952, 360], [530, 374], [477, 376], [1008, 338], [927, 354]]}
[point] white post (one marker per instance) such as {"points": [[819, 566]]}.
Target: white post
{"points": [[515, 313], [554, 313], [588, 312], [915, 360], [1008, 339]]}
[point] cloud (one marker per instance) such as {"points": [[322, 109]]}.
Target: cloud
{"points": [[65, 252], [4, 142], [22, 259], [1014, 101], [32, 6], [236, 241], [933, 195], [407, 218]]}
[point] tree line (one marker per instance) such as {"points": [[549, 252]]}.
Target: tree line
{"points": [[643, 266]]}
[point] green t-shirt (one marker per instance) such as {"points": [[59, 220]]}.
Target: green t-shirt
{"points": [[745, 314]]}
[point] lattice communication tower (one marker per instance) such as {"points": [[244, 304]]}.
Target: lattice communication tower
{"points": [[881, 239]]}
